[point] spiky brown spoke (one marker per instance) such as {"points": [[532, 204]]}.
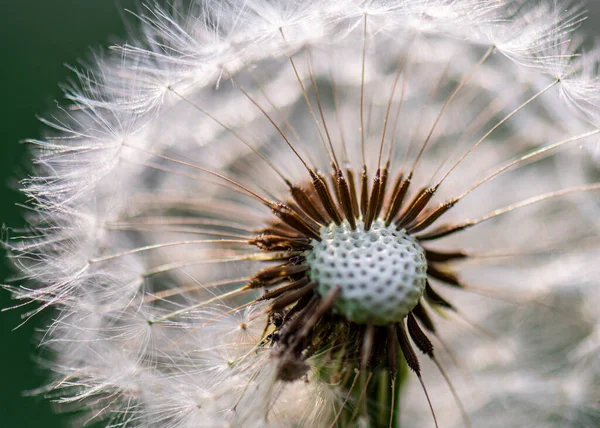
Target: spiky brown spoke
{"points": [[435, 256], [344, 194], [291, 217], [322, 189], [304, 323], [429, 217], [291, 286], [353, 192], [418, 336], [434, 298], [444, 274], [307, 204], [443, 231], [415, 207], [364, 192], [421, 314], [374, 200]]}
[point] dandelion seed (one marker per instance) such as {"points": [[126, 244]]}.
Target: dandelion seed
{"points": [[282, 213]]}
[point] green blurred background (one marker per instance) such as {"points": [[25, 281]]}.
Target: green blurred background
{"points": [[38, 38]]}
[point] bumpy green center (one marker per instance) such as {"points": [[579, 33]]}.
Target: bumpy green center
{"points": [[381, 273]]}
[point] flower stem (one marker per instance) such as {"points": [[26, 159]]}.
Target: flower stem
{"points": [[374, 399]]}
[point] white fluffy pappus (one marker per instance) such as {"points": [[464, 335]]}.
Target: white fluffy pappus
{"points": [[176, 198]]}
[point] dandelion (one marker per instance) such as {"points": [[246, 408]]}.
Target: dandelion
{"points": [[324, 213]]}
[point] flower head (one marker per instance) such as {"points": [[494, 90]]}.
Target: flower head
{"points": [[263, 213]]}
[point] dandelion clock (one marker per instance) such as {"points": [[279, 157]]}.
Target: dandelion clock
{"points": [[344, 213]]}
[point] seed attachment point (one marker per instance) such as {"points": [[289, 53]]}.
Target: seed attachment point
{"points": [[381, 272]]}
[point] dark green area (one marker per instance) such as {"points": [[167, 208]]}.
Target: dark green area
{"points": [[38, 38]]}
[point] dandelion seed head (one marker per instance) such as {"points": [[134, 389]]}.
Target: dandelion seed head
{"points": [[261, 213]]}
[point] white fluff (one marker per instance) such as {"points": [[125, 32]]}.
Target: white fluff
{"points": [[124, 230]]}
